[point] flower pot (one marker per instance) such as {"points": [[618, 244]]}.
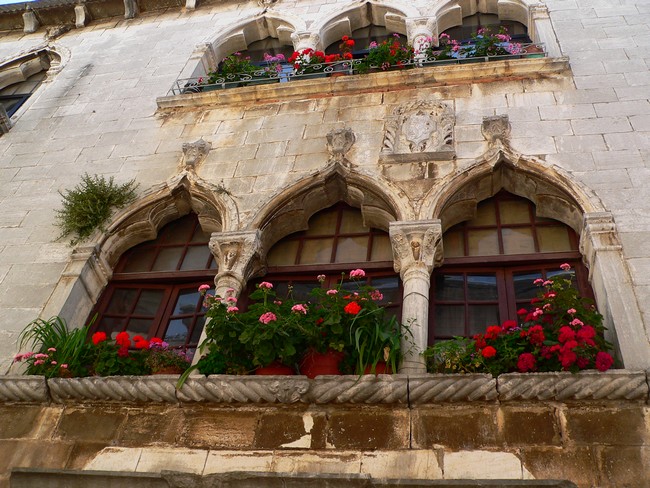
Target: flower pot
{"points": [[315, 363], [380, 368], [273, 369]]}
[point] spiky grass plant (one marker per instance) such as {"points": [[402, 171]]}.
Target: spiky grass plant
{"points": [[89, 204]]}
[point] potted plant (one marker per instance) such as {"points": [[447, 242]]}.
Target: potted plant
{"points": [[485, 43], [161, 358], [389, 54], [232, 69], [309, 62], [561, 332], [117, 358]]}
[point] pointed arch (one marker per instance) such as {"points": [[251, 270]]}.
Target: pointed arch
{"points": [[179, 196], [290, 209], [357, 15]]}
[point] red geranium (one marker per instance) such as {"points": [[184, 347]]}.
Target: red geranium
{"points": [[98, 337], [526, 362], [604, 361], [122, 339], [566, 334], [352, 308], [492, 332], [489, 352]]}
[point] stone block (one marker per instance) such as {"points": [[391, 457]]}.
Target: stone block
{"points": [[227, 461], [182, 460], [152, 424], [215, 428], [580, 144], [455, 427], [115, 459], [90, 424], [541, 425], [438, 388], [601, 126], [481, 465], [576, 464], [620, 425], [368, 428], [291, 429], [370, 389], [33, 454], [19, 421], [411, 463], [626, 466], [568, 112], [317, 462], [83, 453]]}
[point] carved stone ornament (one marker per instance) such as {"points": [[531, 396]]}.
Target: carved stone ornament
{"points": [[496, 129], [339, 142], [420, 127], [194, 153], [416, 244], [238, 254]]}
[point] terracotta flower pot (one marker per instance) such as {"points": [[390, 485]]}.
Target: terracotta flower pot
{"points": [[380, 368], [275, 368], [315, 363]]}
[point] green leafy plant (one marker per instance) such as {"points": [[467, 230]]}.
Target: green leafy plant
{"points": [[160, 356], [115, 358], [55, 349], [388, 54], [561, 332], [88, 206]]}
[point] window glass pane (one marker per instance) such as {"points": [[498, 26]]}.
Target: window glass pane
{"points": [[179, 232], [450, 287], [301, 291], [352, 222], [524, 287], [122, 301], [196, 257], [316, 251], [381, 248], [198, 328], [449, 321], [177, 331], [485, 214], [139, 327], [148, 302], [168, 259], [568, 275], [323, 223], [112, 325], [187, 302], [518, 241], [453, 244], [480, 316], [514, 212], [351, 249], [553, 239], [482, 287], [283, 254], [483, 242], [389, 287], [139, 260]]}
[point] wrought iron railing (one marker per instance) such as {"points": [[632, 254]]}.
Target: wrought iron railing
{"points": [[337, 68]]}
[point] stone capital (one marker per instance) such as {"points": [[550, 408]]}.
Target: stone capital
{"points": [[239, 256], [304, 39], [416, 244], [598, 235]]}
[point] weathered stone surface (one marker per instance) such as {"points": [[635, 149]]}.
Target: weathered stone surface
{"points": [[158, 388], [595, 425], [90, 424], [577, 464], [291, 430], [455, 427], [33, 454], [541, 425], [436, 388], [481, 465], [245, 389], [586, 385], [19, 421], [150, 425], [354, 389], [218, 428], [629, 466], [30, 389], [368, 428]]}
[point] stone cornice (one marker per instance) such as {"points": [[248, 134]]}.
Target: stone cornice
{"points": [[429, 76], [404, 390]]}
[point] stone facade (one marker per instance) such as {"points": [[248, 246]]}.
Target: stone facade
{"points": [[413, 150]]}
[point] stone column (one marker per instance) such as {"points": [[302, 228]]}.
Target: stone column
{"points": [[421, 32], [417, 245], [614, 291], [304, 40], [239, 258]]}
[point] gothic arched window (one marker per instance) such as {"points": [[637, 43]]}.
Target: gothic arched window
{"points": [[335, 242], [154, 288], [491, 262]]}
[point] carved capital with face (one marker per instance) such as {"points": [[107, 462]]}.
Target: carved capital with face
{"points": [[416, 243]]}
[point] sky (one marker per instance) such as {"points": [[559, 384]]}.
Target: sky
{"points": [[6, 2]]}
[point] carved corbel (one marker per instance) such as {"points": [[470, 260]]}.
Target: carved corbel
{"points": [[81, 15], [194, 153], [131, 9], [239, 257], [421, 33], [30, 21], [598, 235], [339, 142], [416, 243], [305, 39]]}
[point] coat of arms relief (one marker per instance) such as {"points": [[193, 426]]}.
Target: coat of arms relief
{"points": [[418, 134]]}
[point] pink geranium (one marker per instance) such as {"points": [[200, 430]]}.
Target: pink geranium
{"points": [[268, 317]]}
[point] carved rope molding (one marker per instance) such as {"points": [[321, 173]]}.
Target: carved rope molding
{"points": [[616, 385]]}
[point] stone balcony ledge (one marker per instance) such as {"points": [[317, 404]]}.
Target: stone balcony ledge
{"points": [[428, 76], [405, 390]]}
